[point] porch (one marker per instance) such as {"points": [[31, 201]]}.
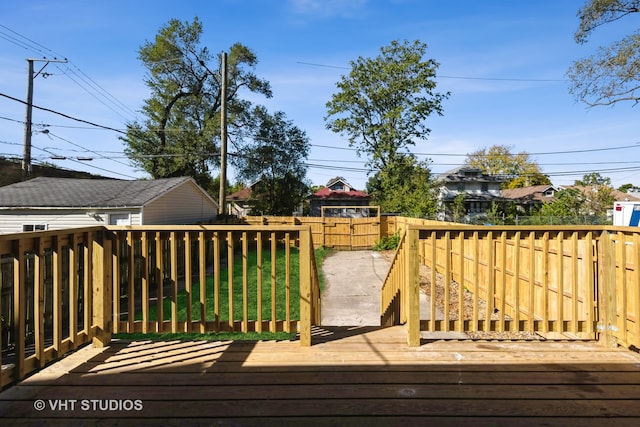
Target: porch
{"points": [[350, 376], [575, 289]]}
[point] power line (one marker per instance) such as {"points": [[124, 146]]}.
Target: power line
{"points": [[63, 115], [27, 43], [507, 79]]}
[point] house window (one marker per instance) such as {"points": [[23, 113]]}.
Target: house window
{"points": [[34, 227], [461, 186], [120, 219], [484, 187]]}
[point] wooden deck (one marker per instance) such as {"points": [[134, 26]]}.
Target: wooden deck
{"points": [[350, 376]]}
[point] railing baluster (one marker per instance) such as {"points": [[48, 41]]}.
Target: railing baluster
{"points": [[230, 290], [560, 285], [259, 273], [216, 280], [273, 326], [144, 280], [531, 307], [202, 274], [188, 280], [287, 249], [160, 282], [131, 293], [38, 298], [515, 324], [245, 282]]}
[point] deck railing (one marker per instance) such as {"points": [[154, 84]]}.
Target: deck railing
{"points": [[46, 300], [580, 281], [63, 289]]}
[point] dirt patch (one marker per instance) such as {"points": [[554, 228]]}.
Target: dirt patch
{"points": [[468, 301]]}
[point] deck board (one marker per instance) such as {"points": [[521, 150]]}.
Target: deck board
{"points": [[350, 376]]}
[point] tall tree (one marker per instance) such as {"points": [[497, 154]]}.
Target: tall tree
{"points": [[276, 159], [593, 178], [519, 169], [180, 133], [612, 74], [382, 106], [405, 187]]}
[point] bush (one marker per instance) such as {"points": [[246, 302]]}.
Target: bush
{"points": [[388, 243]]}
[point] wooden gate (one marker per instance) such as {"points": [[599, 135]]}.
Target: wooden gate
{"points": [[351, 233], [345, 233]]}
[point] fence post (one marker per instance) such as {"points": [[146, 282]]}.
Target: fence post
{"points": [[102, 283], [413, 287], [607, 310], [306, 253]]}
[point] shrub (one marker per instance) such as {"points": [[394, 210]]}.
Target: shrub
{"points": [[387, 243]]}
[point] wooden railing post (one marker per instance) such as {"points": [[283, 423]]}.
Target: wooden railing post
{"points": [[102, 284], [413, 287], [607, 310], [306, 253]]}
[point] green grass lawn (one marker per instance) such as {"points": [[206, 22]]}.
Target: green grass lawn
{"points": [[253, 273]]}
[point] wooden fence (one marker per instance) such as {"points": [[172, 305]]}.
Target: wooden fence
{"points": [[581, 281], [332, 232], [64, 289]]}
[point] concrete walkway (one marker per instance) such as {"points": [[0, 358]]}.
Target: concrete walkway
{"points": [[353, 280]]}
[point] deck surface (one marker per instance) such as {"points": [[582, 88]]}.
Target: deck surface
{"points": [[350, 376]]}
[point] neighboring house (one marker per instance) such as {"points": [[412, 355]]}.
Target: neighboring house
{"points": [[619, 196], [60, 203], [238, 203], [528, 199], [589, 191], [338, 192], [479, 189]]}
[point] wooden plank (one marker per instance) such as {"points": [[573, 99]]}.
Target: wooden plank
{"points": [[483, 406], [321, 391], [202, 278]]}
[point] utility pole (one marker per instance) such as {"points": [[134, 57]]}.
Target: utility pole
{"points": [[26, 157], [223, 136]]}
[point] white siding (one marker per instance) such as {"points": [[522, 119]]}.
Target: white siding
{"points": [[186, 204], [11, 221]]}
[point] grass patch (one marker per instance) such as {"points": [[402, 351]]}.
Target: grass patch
{"points": [[252, 274], [210, 336]]}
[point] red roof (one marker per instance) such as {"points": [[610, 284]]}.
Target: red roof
{"points": [[327, 193]]}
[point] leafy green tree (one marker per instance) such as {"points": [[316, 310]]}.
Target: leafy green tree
{"points": [[598, 200], [612, 74], [405, 187], [458, 208], [519, 169], [276, 159], [180, 133], [627, 188], [566, 203], [593, 178], [382, 105]]}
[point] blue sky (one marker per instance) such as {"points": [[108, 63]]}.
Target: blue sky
{"points": [[504, 63]]}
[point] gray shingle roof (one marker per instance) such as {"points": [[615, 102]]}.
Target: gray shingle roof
{"points": [[93, 193]]}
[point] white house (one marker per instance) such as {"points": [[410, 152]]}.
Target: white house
{"points": [[60, 203]]}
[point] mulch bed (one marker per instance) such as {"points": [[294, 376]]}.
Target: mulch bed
{"points": [[454, 289]]}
